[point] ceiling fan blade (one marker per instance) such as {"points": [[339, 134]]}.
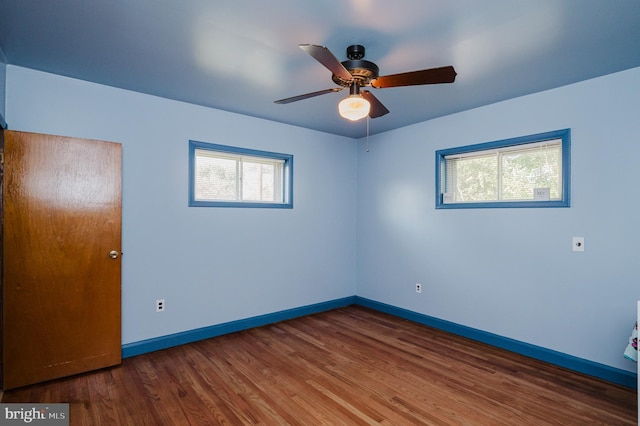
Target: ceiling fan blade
{"points": [[416, 78], [326, 58], [377, 109], [307, 95]]}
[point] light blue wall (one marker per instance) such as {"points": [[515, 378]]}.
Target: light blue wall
{"points": [[3, 78], [212, 265], [512, 272], [506, 271]]}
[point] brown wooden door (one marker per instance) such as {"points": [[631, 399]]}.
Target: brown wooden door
{"points": [[61, 289]]}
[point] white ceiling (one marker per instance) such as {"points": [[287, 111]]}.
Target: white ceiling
{"points": [[241, 55]]}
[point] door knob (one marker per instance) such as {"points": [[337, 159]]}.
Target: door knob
{"points": [[113, 254]]}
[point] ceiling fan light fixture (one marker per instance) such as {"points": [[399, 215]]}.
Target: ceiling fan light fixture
{"points": [[354, 107]]}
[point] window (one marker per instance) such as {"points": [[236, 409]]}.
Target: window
{"points": [[529, 171], [226, 176]]}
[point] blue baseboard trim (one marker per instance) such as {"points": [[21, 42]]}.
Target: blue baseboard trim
{"points": [[590, 368], [601, 371], [164, 342]]}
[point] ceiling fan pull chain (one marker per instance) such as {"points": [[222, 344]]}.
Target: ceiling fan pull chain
{"points": [[368, 118]]}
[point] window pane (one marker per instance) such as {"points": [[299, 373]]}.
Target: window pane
{"points": [[473, 179], [215, 178], [258, 181], [522, 171]]}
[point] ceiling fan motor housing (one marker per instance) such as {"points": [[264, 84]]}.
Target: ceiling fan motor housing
{"points": [[362, 71]]}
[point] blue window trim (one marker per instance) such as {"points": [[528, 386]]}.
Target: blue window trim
{"points": [[564, 135], [287, 173]]}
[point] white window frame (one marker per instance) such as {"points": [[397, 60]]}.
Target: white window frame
{"points": [[445, 201], [283, 177]]}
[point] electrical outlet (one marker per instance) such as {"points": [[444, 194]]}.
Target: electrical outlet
{"points": [[418, 288], [160, 305]]}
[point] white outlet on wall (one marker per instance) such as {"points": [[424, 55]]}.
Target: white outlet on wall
{"points": [[418, 288], [160, 305]]}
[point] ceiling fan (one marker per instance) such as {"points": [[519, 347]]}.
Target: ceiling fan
{"points": [[356, 73]]}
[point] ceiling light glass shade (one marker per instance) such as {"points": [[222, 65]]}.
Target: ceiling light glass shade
{"points": [[354, 107]]}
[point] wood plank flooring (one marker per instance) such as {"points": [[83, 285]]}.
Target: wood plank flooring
{"points": [[350, 366]]}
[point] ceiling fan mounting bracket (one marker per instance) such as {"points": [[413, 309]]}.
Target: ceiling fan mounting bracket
{"points": [[355, 51]]}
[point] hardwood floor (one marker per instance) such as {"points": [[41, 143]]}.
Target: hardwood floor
{"points": [[349, 366]]}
